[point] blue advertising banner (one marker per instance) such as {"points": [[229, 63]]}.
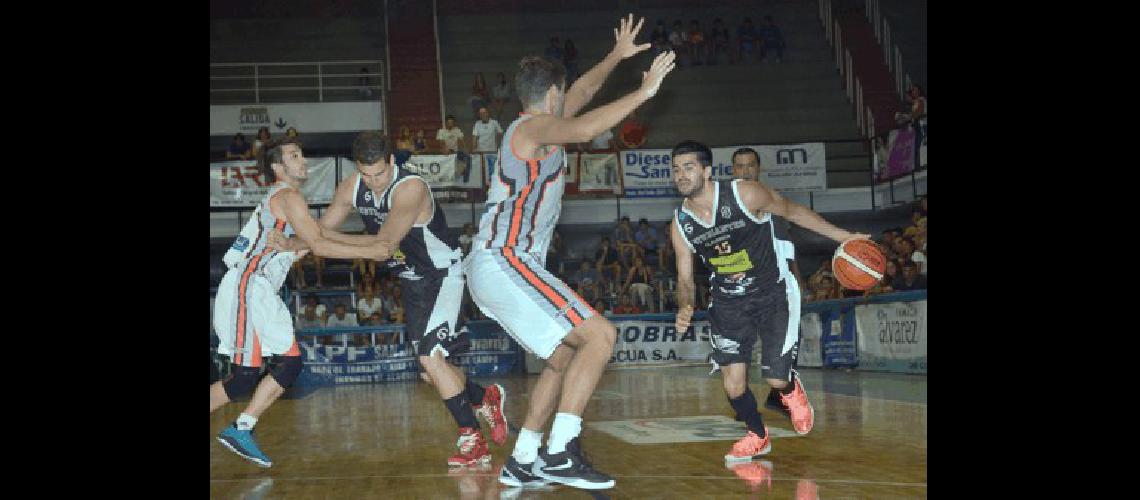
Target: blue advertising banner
{"points": [[839, 347]]}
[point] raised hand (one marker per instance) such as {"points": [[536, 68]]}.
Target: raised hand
{"points": [[624, 35], [662, 65]]}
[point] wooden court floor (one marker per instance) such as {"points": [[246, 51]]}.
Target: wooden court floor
{"points": [[662, 432]]}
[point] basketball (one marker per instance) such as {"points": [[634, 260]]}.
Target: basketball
{"points": [[858, 264]]}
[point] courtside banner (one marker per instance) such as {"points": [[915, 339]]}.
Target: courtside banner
{"points": [[647, 173], [892, 337], [838, 337], [811, 334], [444, 171], [597, 172], [238, 183], [643, 342]]}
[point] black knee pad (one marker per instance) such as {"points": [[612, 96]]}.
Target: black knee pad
{"points": [[241, 381], [285, 370]]}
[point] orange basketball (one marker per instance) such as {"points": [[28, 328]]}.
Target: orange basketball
{"points": [[858, 264]]}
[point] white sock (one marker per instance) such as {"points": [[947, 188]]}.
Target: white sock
{"points": [[526, 446], [246, 422], [566, 426]]}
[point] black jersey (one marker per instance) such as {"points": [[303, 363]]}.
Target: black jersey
{"points": [[426, 248], [742, 250]]}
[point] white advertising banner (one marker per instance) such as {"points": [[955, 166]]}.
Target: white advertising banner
{"points": [[811, 331], [642, 342], [892, 336], [785, 168], [239, 184], [598, 172], [305, 117], [448, 171]]}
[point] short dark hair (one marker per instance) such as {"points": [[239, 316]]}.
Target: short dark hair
{"points": [[369, 147], [744, 151], [274, 155], [704, 154], [535, 76], [450, 117]]}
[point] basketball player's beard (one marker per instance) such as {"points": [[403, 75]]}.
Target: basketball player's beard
{"points": [[694, 188]]}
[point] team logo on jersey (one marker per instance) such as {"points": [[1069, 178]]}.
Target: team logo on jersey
{"points": [[240, 243], [441, 332], [725, 212], [688, 228]]}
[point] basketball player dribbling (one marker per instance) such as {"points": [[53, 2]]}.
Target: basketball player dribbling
{"points": [[506, 272], [403, 221], [753, 293], [250, 318]]}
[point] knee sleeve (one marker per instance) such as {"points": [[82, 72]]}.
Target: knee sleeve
{"points": [[241, 381], [286, 370]]}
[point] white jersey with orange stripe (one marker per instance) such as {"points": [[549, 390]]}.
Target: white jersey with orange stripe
{"points": [[249, 251], [524, 201]]}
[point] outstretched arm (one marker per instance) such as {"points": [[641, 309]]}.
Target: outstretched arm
{"points": [[296, 211], [588, 84], [759, 199]]}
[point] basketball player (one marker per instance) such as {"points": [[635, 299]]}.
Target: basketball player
{"points": [[404, 222], [754, 294], [746, 166], [250, 318], [508, 279]]}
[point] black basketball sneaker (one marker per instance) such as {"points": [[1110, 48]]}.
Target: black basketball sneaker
{"points": [[571, 468], [518, 475], [775, 403]]}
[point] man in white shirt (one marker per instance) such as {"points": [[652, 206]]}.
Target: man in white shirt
{"points": [[340, 317], [451, 135], [369, 304], [486, 132]]}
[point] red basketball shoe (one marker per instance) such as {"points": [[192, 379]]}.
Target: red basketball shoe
{"points": [[750, 446], [493, 411], [472, 449], [803, 416]]}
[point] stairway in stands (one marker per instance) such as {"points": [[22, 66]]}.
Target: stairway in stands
{"points": [[413, 99]]}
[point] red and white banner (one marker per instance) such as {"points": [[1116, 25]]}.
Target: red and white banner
{"points": [[239, 184]]}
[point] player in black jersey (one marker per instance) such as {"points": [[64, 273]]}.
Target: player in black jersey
{"points": [[753, 292], [408, 227], [746, 166]]}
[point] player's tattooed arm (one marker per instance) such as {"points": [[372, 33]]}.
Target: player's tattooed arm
{"points": [[685, 287], [296, 212], [759, 199], [588, 84]]}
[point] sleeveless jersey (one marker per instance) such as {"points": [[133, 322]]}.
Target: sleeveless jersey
{"points": [[743, 251], [249, 251], [427, 248], [524, 200]]}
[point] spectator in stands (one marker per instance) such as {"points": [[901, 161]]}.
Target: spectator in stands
{"points": [[451, 135], [747, 40], [292, 134], [772, 39], [309, 318], [634, 133], [696, 43], [587, 281], [420, 142], [238, 149], [667, 260], [912, 280], [480, 94], [828, 289], [486, 132], [606, 259], [365, 84], [263, 142], [341, 317], [395, 305], [554, 50], [318, 265], [404, 145], [820, 274], [467, 237], [659, 38], [570, 61], [366, 268], [627, 306], [720, 43], [679, 40], [883, 286], [369, 303], [625, 241], [500, 94], [639, 282], [893, 270], [646, 238]]}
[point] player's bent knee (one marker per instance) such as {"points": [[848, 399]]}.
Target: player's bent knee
{"points": [[242, 381], [560, 359], [286, 370]]}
